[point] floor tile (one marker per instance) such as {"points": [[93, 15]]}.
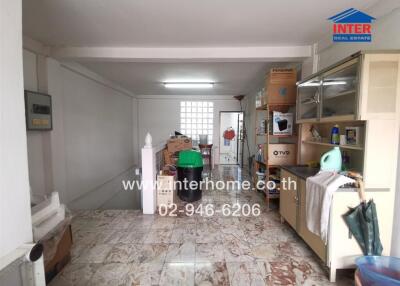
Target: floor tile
{"points": [[184, 233], [158, 236], [244, 273], [211, 274], [122, 253], [75, 275], [144, 274], [110, 274], [177, 274], [210, 252], [185, 252], [94, 254], [151, 253], [125, 247]]}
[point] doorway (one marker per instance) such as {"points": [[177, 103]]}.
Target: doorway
{"points": [[231, 138]]}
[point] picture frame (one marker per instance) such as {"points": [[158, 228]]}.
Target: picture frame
{"points": [[38, 111]]}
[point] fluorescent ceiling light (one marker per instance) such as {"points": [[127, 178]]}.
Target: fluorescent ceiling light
{"points": [[324, 83], [189, 84], [310, 84], [334, 82]]}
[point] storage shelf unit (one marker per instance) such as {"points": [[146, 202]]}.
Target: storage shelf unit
{"points": [[278, 94]]}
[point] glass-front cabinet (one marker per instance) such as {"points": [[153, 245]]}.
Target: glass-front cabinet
{"points": [[330, 95], [340, 91], [308, 99]]}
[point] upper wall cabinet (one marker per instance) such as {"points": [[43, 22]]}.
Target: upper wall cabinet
{"points": [[364, 86], [308, 98]]}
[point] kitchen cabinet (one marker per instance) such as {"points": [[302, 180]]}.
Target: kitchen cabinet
{"points": [[308, 99], [360, 87], [293, 211], [340, 91], [288, 202], [361, 91], [314, 241]]}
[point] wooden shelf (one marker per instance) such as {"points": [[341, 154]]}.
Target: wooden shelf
{"points": [[352, 147], [277, 136], [283, 136], [265, 106]]}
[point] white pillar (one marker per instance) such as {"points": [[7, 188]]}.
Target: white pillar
{"points": [[149, 174]]}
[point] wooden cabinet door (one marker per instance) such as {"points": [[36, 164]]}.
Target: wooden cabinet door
{"points": [[288, 198], [380, 87], [314, 241]]}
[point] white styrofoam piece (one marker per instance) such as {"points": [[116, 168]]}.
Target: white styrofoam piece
{"points": [[40, 230], [46, 209]]}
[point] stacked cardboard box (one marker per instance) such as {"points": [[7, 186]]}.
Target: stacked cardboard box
{"points": [[280, 86], [179, 144], [281, 154], [169, 157]]}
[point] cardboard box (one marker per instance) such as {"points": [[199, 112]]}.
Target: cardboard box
{"points": [[281, 154], [282, 123], [179, 144], [166, 194], [62, 253], [169, 158], [280, 86]]}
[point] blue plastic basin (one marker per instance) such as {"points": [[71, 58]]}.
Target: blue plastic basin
{"points": [[379, 270]]}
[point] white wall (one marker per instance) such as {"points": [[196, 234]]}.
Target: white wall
{"points": [[15, 217], [384, 37], [35, 139], [160, 115], [97, 133], [91, 147]]}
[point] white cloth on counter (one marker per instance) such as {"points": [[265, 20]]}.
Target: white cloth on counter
{"points": [[319, 193]]}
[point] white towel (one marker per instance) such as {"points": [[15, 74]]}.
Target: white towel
{"points": [[319, 193]]}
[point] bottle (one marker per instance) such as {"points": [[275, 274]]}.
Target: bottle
{"points": [[332, 160], [345, 161], [335, 137], [260, 153]]}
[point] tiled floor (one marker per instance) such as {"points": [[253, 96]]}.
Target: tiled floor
{"points": [[117, 247]]}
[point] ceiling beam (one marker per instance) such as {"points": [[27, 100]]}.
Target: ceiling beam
{"points": [[173, 54]]}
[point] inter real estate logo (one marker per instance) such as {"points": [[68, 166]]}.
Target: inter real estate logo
{"points": [[352, 26]]}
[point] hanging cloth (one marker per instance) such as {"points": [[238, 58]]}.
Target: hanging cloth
{"points": [[229, 134]]}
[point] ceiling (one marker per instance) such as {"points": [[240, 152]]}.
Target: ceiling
{"points": [[181, 22], [148, 78]]}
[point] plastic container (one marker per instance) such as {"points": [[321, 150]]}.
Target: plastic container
{"points": [[335, 137], [203, 139], [379, 270], [332, 160], [190, 167]]}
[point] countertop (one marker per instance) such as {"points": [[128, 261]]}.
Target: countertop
{"points": [[301, 171], [304, 172]]}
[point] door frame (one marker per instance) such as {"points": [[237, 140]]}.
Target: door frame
{"points": [[238, 141]]}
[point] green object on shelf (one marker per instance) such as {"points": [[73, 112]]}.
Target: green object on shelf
{"points": [[190, 159], [332, 160]]}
